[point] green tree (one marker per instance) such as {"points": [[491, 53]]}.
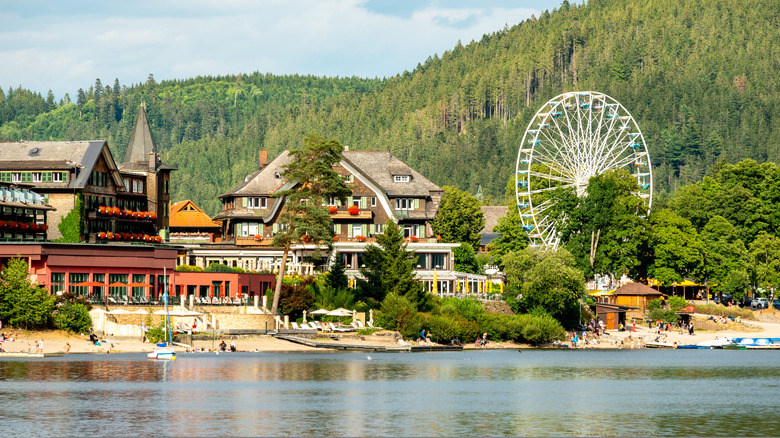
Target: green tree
{"points": [[466, 259], [765, 261], [73, 317], [547, 280], [511, 236], [398, 313], [389, 268], [313, 180], [460, 218], [297, 297], [724, 251], [337, 277], [677, 250], [72, 225], [605, 230], [23, 304]]}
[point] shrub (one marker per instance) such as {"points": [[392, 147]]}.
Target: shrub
{"points": [[398, 313], [663, 315], [655, 304], [188, 268], [156, 334], [733, 311], [542, 329], [677, 303], [73, 317]]}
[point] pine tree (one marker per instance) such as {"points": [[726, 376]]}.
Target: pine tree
{"points": [[390, 269], [305, 219]]}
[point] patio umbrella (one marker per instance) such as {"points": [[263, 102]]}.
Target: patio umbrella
{"points": [[90, 284], [117, 284], [119, 312], [134, 284], [340, 312], [435, 288]]}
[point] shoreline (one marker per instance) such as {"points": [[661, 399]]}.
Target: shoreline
{"points": [[55, 341]]}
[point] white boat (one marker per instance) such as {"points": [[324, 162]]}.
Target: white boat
{"points": [[165, 350], [716, 343]]}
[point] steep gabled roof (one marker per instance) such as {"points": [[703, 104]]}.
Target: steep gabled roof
{"points": [[141, 146], [62, 155], [636, 289], [492, 214], [381, 168], [186, 214], [263, 181]]}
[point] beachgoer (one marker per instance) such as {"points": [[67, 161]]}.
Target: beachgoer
{"points": [[222, 346], [40, 346], [67, 348], [574, 340], [690, 328], [233, 346]]}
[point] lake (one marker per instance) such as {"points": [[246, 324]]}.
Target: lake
{"points": [[483, 392]]}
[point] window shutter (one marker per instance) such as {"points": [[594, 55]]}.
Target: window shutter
{"points": [[276, 227], [364, 202], [416, 203], [372, 229], [244, 202], [26, 177], [364, 229], [349, 231], [5, 177]]}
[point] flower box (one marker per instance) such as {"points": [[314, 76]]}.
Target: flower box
{"points": [[354, 210], [333, 209], [360, 238], [414, 239]]}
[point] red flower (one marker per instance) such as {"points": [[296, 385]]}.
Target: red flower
{"points": [[11, 224], [158, 239], [353, 210], [414, 238], [332, 209], [336, 238], [109, 235], [153, 215], [34, 226], [101, 235], [2, 224], [360, 238], [44, 227], [258, 237], [102, 209]]}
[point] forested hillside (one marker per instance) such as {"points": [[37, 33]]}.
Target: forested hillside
{"points": [[699, 77]]}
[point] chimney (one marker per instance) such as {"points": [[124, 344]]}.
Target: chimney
{"points": [[152, 161], [263, 159]]}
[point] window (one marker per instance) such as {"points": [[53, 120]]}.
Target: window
{"points": [[256, 202], [16, 177], [439, 260], [373, 201], [380, 228], [349, 178], [56, 176], [357, 230], [126, 182], [401, 178], [57, 282], [333, 202], [404, 204], [138, 186], [263, 203], [409, 230], [356, 201], [37, 177], [252, 229]]}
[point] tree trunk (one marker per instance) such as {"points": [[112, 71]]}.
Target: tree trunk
{"points": [[278, 289]]}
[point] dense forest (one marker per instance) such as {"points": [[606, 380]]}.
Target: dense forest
{"points": [[699, 78]]}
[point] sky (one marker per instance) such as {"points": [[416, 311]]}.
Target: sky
{"points": [[64, 45]]}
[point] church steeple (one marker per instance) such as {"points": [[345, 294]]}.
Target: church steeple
{"points": [[141, 144]]}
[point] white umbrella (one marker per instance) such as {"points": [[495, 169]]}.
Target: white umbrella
{"points": [[319, 312], [119, 312], [140, 312], [340, 312]]}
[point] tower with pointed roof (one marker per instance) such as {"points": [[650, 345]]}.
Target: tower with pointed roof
{"points": [[144, 172]]}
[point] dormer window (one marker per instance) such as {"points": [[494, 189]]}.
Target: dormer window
{"points": [[16, 177], [277, 175], [401, 178]]}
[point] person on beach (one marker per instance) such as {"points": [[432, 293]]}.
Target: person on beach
{"points": [[67, 348], [222, 346], [233, 346]]}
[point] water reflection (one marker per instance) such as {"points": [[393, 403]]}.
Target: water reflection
{"points": [[662, 393]]}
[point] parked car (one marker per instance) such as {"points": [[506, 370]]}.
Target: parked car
{"points": [[726, 298], [759, 303], [776, 304], [746, 302]]}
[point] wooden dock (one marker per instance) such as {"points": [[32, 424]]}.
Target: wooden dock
{"points": [[22, 354], [362, 347]]}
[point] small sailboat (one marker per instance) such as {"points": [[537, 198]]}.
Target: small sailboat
{"points": [[165, 349]]}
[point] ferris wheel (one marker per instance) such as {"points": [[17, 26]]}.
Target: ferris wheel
{"points": [[573, 137]]}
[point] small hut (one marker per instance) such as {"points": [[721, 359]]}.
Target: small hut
{"points": [[635, 295], [613, 315]]}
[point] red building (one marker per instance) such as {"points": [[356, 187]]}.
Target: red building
{"points": [[125, 273]]}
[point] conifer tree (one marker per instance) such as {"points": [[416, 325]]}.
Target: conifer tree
{"points": [[390, 269], [305, 218]]}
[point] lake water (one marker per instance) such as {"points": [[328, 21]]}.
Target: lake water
{"points": [[488, 392]]}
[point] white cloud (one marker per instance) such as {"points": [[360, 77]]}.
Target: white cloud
{"points": [[67, 48]]}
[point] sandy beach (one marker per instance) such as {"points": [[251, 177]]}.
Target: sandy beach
{"points": [[56, 341]]}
